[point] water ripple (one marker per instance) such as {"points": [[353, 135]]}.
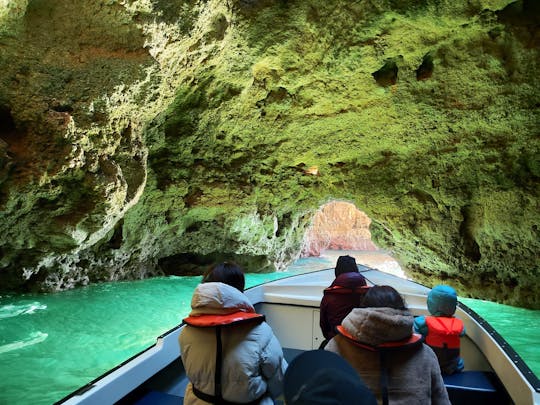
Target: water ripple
{"points": [[9, 311], [34, 338]]}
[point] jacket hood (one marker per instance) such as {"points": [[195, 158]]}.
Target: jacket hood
{"points": [[349, 280], [442, 301], [218, 298], [379, 325]]}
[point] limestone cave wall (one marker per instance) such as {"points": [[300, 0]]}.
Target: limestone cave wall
{"points": [[144, 137]]}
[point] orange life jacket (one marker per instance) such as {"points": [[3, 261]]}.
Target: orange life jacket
{"points": [[209, 321], [217, 322], [414, 340], [443, 331]]}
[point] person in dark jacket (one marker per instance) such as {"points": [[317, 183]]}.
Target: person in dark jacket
{"points": [[344, 294]]}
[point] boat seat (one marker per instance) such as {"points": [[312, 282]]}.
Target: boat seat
{"points": [[160, 398], [480, 387]]}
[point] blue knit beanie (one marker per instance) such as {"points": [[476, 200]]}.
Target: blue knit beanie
{"points": [[442, 301]]}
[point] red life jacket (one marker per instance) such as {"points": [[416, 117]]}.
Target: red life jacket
{"points": [[217, 322], [443, 331]]}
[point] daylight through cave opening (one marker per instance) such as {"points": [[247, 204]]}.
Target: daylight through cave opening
{"points": [[338, 225]]}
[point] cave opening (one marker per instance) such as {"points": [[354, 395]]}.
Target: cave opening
{"points": [[338, 225], [337, 228], [340, 228]]}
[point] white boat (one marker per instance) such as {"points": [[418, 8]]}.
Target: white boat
{"points": [[494, 373]]}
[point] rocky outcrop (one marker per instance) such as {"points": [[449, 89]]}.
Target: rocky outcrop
{"points": [[138, 137], [338, 226]]}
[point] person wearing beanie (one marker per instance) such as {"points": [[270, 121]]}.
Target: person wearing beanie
{"points": [[344, 294], [442, 330]]}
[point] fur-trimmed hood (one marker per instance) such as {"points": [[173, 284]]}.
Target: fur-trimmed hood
{"points": [[374, 326]]}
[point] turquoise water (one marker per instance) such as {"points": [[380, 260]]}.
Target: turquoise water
{"points": [[54, 343]]}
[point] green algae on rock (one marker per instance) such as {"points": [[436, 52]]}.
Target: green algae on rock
{"points": [[139, 134]]}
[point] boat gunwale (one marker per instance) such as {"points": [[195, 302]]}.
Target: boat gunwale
{"points": [[88, 386], [505, 347]]}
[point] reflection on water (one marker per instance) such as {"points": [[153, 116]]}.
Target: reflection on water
{"points": [[52, 344]]}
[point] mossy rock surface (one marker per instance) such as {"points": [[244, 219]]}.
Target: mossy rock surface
{"points": [[141, 138]]}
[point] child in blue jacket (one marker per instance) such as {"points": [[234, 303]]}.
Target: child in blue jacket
{"points": [[442, 330]]}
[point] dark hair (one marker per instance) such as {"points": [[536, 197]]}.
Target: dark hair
{"points": [[346, 264], [226, 272], [383, 296]]}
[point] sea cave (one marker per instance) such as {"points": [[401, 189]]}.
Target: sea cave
{"points": [[147, 137]]}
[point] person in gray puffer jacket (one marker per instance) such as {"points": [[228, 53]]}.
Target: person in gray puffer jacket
{"points": [[378, 341], [252, 359]]}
